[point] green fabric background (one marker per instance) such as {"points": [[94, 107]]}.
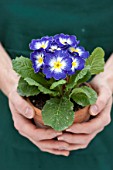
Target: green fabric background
{"points": [[22, 20]]}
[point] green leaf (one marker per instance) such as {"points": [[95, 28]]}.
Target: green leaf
{"points": [[55, 84], [80, 77], [84, 96], [47, 91], [31, 82], [96, 61], [41, 88], [24, 89], [85, 78], [23, 66], [58, 113]]}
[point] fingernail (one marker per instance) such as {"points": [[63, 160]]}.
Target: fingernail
{"points": [[94, 110], [68, 130], [59, 133], [60, 138], [29, 113], [66, 154]]}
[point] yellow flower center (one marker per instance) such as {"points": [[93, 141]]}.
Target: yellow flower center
{"points": [[63, 41], [57, 65], [43, 46], [73, 49], [74, 64], [40, 60]]}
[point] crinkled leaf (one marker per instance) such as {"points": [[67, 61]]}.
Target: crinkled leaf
{"points": [[58, 113], [84, 96], [57, 83], [85, 78], [24, 89], [31, 82], [42, 89], [23, 66], [80, 77], [96, 61]]}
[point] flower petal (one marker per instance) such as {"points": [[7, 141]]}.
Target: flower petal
{"points": [[33, 43], [49, 59], [47, 71], [79, 63], [59, 75], [66, 40], [37, 60]]}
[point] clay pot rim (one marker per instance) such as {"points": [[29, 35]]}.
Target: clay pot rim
{"points": [[39, 110]]}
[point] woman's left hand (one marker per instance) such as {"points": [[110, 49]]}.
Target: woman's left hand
{"points": [[80, 134]]}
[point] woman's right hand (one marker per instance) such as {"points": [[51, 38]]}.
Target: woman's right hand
{"points": [[22, 113]]}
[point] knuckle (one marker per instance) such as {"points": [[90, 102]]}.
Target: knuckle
{"points": [[83, 146], [108, 120], [24, 128], [16, 125], [101, 129], [39, 135], [102, 101], [107, 91], [89, 130], [42, 149], [87, 140], [21, 133]]}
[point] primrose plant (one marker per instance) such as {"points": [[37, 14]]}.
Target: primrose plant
{"points": [[58, 66]]}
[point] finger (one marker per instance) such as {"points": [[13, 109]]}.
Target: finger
{"points": [[95, 124], [57, 152], [51, 150], [54, 144], [82, 145], [103, 97], [26, 127], [78, 138], [21, 105]]}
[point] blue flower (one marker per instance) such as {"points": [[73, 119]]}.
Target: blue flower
{"points": [[53, 47], [37, 59], [40, 44], [77, 64], [80, 50], [65, 40], [56, 65]]}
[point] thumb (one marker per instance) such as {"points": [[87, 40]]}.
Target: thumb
{"points": [[22, 106], [100, 103]]}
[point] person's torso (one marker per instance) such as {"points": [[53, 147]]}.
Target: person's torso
{"points": [[21, 21]]}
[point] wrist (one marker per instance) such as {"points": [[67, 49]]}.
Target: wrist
{"points": [[9, 81], [108, 72], [105, 78], [8, 77]]}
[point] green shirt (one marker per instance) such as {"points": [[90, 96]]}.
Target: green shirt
{"points": [[22, 20]]}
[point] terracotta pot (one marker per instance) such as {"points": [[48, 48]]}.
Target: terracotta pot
{"points": [[81, 115]]}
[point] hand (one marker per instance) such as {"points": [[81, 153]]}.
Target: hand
{"points": [[22, 112], [82, 133]]}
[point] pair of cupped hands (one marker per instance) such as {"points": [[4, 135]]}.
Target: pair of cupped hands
{"points": [[77, 136]]}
